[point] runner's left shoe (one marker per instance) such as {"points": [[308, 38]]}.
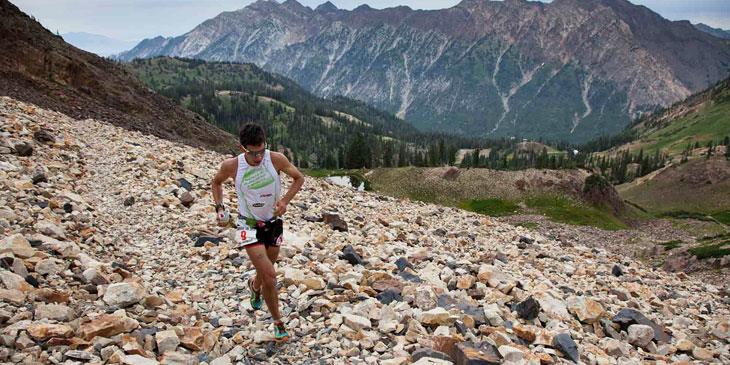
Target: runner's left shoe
{"points": [[280, 333]]}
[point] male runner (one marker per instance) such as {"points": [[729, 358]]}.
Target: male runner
{"points": [[260, 206]]}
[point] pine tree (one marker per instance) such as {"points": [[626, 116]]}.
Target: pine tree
{"points": [[710, 150], [388, 155], [466, 162], [402, 156], [358, 153]]}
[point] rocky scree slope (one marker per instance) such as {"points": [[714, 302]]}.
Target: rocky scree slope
{"points": [[568, 70], [109, 254], [37, 66]]}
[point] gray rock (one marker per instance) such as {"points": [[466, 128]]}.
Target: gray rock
{"points": [[567, 346], [350, 255], [23, 149], [528, 309], [629, 316], [426, 352]]}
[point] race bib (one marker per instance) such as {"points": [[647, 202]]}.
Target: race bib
{"points": [[246, 236]]}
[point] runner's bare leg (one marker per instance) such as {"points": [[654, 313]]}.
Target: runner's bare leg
{"points": [[273, 254], [265, 271]]}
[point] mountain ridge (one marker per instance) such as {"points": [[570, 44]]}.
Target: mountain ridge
{"points": [[96, 43], [717, 32], [567, 70]]}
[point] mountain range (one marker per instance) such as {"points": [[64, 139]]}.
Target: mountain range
{"points": [[717, 32], [97, 43], [567, 70]]}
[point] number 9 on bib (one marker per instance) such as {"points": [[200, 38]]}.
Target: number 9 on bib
{"points": [[246, 236]]}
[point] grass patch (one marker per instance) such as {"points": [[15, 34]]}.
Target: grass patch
{"points": [[528, 225], [722, 217], [670, 245], [564, 210], [491, 207], [711, 250], [715, 237], [707, 124], [681, 214]]}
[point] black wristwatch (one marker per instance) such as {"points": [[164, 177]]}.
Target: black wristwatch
{"points": [[219, 206]]}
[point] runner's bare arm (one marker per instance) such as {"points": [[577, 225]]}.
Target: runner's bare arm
{"points": [[281, 163], [226, 170]]}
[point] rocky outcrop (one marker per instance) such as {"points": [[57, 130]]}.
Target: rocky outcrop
{"points": [[407, 282], [569, 69]]}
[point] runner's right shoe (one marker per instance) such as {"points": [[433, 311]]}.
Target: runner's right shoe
{"points": [[256, 299]]}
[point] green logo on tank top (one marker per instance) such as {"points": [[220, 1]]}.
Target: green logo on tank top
{"points": [[256, 179]]}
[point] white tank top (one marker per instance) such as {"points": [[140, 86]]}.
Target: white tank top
{"points": [[257, 187]]}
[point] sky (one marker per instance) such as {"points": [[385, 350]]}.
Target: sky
{"points": [[138, 19]]}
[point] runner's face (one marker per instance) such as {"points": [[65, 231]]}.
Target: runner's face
{"points": [[255, 153]]}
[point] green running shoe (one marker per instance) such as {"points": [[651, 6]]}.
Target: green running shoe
{"points": [[256, 300], [280, 333]]}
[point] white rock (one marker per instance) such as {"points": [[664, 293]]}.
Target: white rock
{"points": [[511, 354], [356, 322], [49, 266], [166, 341], [640, 335], [389, 320], [437, 316], [554, 308], [722, 329], [223, 360], [123, 294], [138, 360], [50, 229], [58, 312], [18, 245], [14, 281]]}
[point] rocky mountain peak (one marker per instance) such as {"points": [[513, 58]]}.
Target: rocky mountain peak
{"points": [[295, 5], [326, 7], [262, 5], [362, 8]]}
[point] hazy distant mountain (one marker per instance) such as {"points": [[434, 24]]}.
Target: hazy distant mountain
{"points": [[99, 44], [569, 69], [717, 32]]}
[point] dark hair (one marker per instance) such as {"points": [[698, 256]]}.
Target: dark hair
{"points": [[251, 134]]}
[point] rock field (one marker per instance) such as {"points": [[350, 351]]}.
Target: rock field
{"points": [[109, 253]]}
